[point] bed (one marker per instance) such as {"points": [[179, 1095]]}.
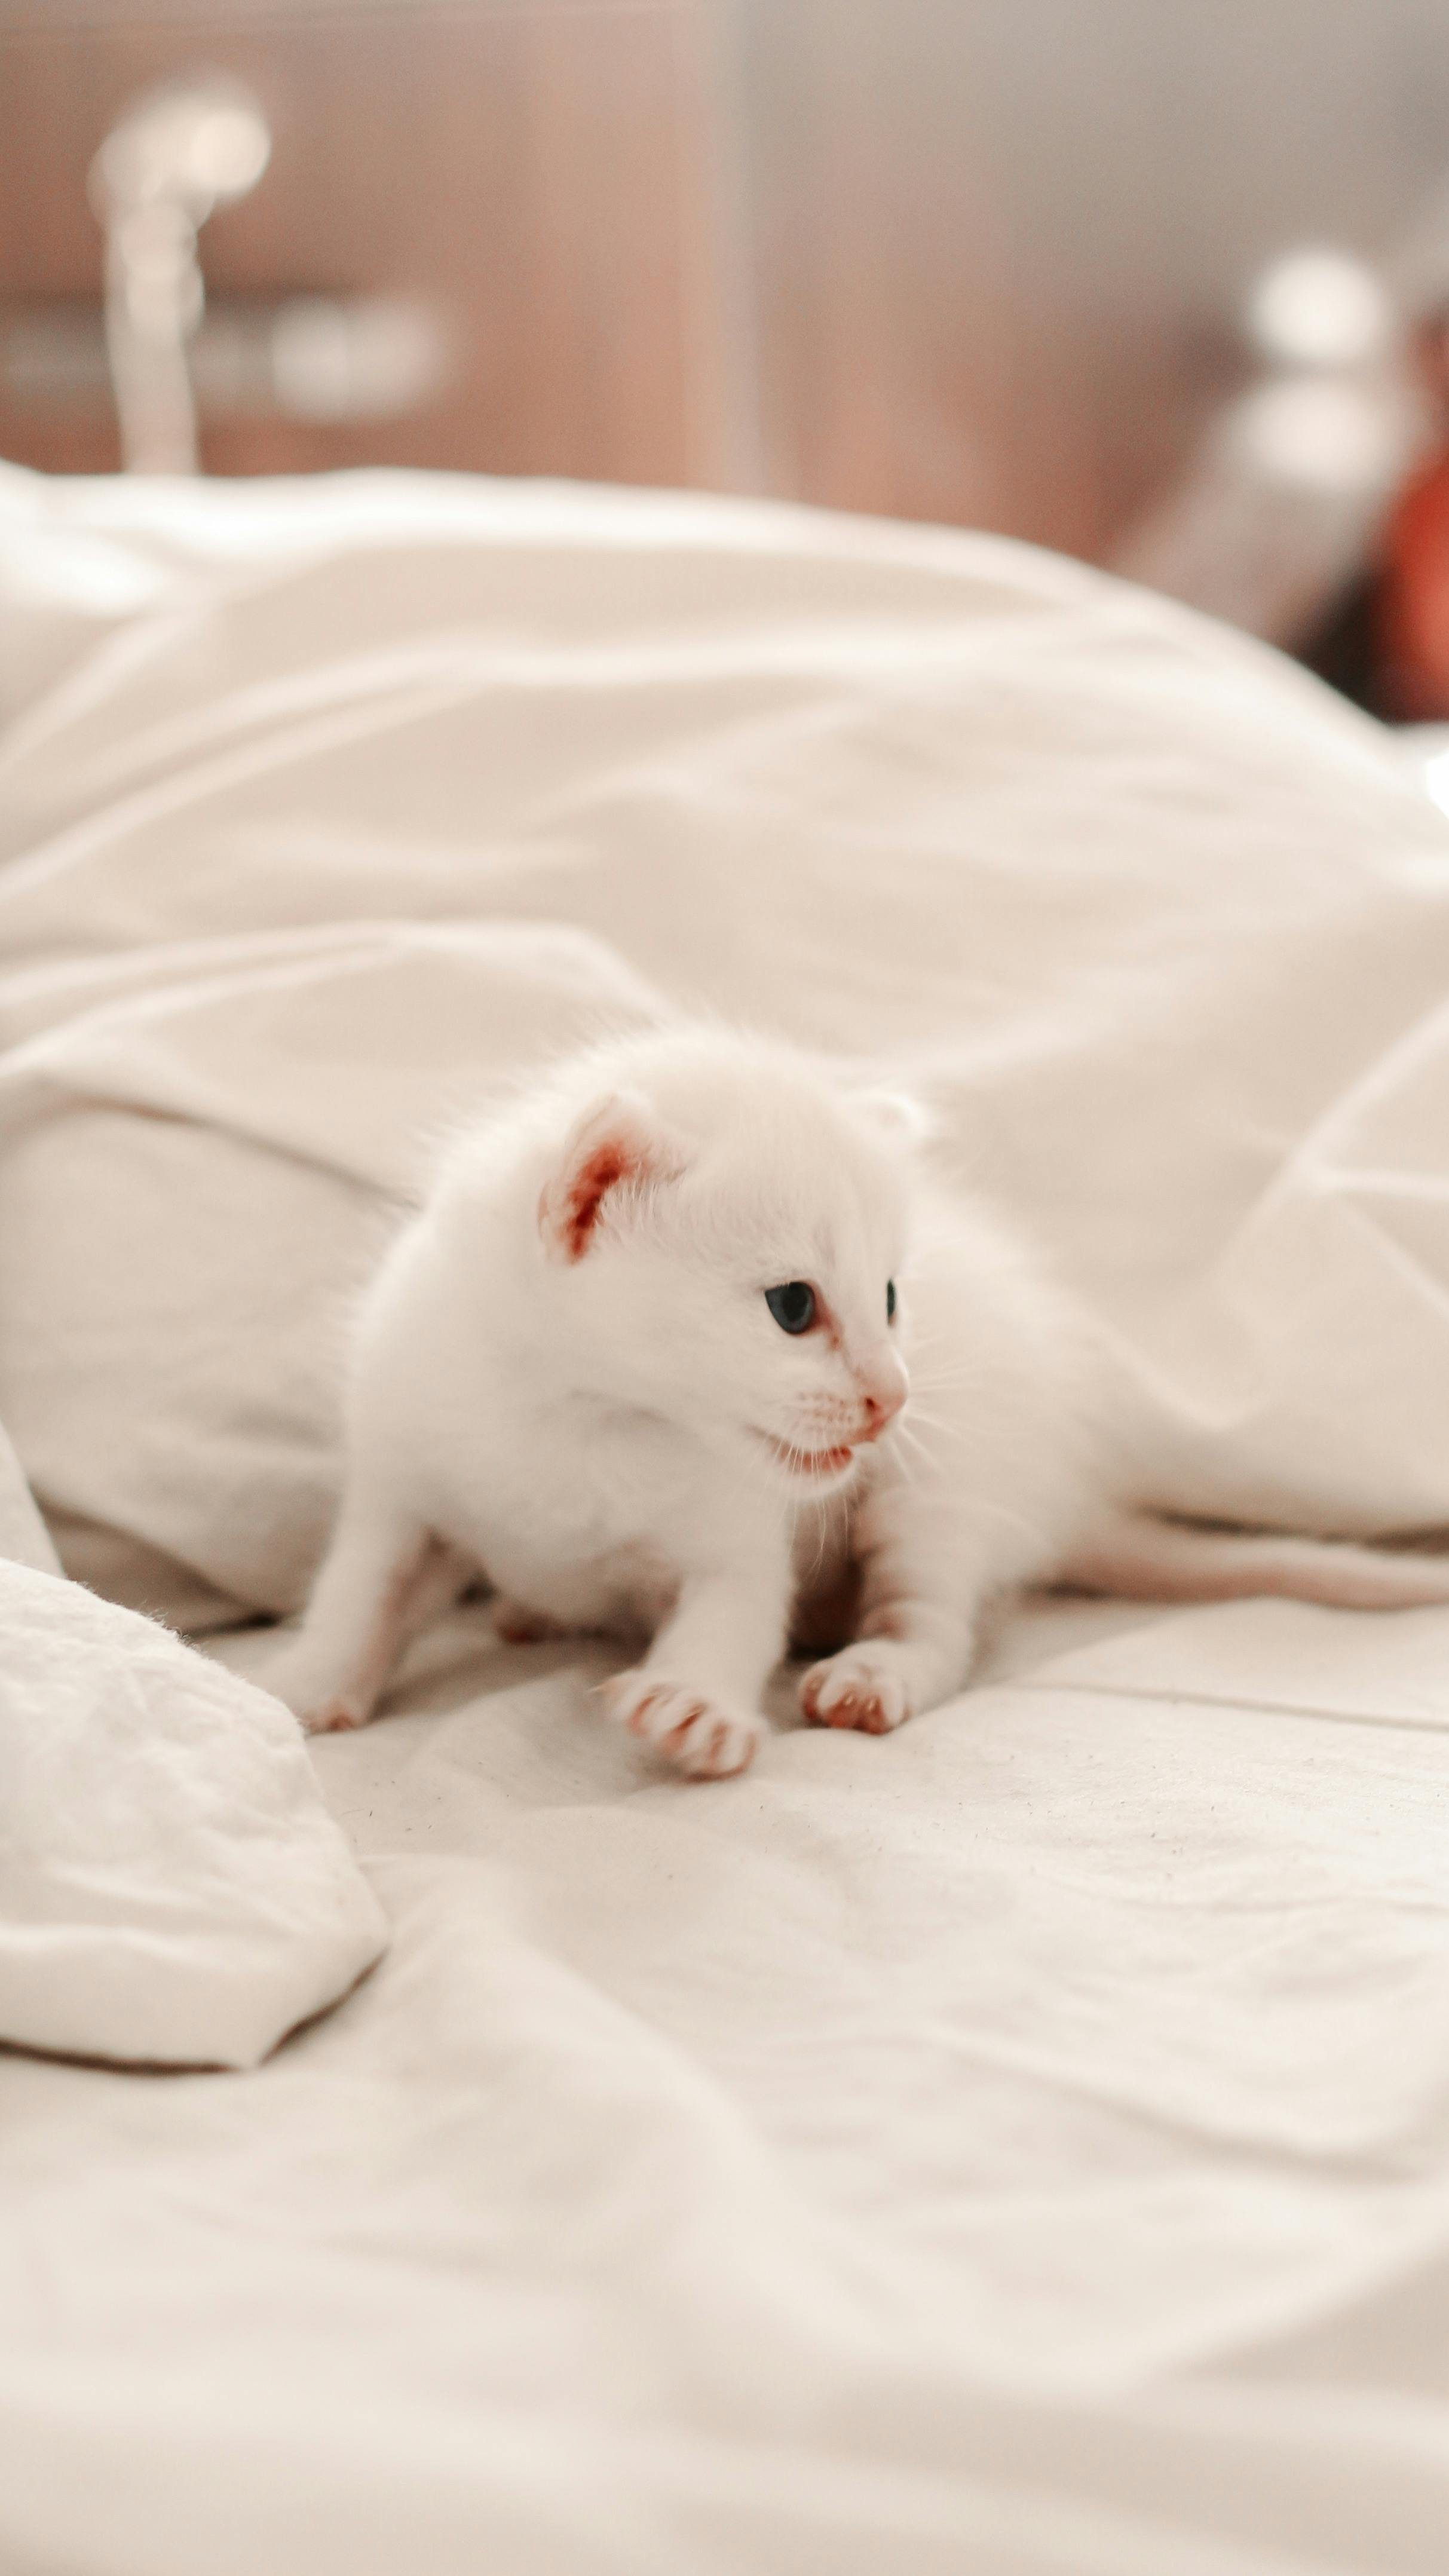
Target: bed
{"points": [[1017, 2145]]}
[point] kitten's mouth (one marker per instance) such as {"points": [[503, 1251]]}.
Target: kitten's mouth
{"points": [[808, 1462]]}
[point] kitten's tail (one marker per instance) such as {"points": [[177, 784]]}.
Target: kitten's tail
{"points": [[1141, 1558]]}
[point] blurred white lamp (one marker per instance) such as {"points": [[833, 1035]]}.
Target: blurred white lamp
{"points": [[1279, 506], [1320, 308]]}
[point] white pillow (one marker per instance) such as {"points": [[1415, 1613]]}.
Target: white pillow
{"points": [[172, 1890]]}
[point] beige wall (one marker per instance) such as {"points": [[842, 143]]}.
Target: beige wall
{"points": [[968, 259]]}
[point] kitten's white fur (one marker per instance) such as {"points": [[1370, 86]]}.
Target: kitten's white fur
{"points": [[566, 1376]]}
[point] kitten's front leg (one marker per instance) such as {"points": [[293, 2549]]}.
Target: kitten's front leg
{"points": [[917, 1637], [696, 1695], [383, 1578], [911, 1653]]}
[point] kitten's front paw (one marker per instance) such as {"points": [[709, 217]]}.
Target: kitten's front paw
{"points": [[335, 1716], [859, 1687], [318, 1705], [706, 1742]]}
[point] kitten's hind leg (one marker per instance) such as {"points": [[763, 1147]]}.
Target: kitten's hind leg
{"points": [[383, 1578]]}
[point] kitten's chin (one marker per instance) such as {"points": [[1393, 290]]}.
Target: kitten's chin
{"points": [[812, 1471]]}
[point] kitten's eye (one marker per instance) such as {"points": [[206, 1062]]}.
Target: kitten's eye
{"points": [[890, 1301], [792, 1306]]}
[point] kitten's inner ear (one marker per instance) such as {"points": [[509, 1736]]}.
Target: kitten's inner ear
{"points": [[618, 1144]]}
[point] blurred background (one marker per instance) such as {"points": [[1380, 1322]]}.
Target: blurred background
{"points": [[1159, 284]]}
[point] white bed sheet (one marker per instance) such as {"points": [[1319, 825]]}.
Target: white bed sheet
{"points": [[1024, 2147], [1019, 2146]]}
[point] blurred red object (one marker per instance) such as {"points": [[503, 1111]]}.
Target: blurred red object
{"points": [[1412, 608]]}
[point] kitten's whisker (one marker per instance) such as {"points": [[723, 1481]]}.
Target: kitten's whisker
{"points": [[907, 1433], [923, 1421], [929, 1374]]}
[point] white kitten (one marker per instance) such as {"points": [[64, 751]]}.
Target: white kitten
{"points": [[642, 1360]]}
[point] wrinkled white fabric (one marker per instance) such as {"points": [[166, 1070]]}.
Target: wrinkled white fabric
{"points": [[1020, 2146], [24, 1538]]}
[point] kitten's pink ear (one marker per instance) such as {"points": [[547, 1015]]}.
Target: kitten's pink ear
{"points": [[897, 1114], [618, 1144]]}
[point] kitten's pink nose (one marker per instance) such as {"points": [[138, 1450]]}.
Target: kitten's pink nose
{"points": [[883, 1391]]}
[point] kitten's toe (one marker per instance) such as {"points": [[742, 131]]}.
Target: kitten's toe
{"points": [[714, 1747], [703, 1741], [855, 1688]]}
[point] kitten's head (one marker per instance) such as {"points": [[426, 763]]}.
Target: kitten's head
{"points": [[730, 1225]]}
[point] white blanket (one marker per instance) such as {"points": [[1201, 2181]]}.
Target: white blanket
{"points": [[1018, 2146], [399, 784]]}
